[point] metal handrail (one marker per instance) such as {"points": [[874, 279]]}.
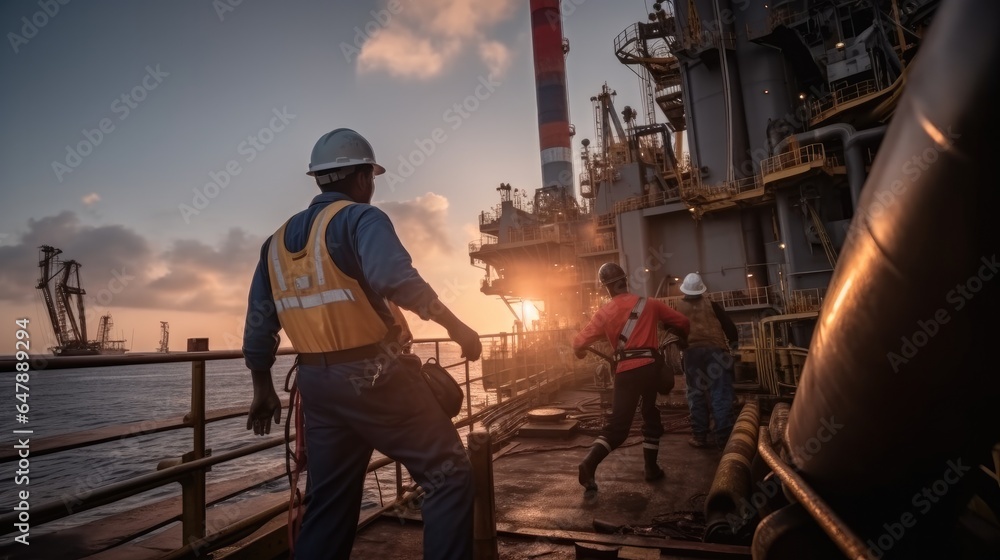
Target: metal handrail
{"points": [[810, 299], [104, 495], [824, 106], [477, 245], [604, 242], [730, 299], [191, 472], [801, 156]]}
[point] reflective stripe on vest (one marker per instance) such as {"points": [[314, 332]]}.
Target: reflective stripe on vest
{"points": [[320, 308], [706, 330]]}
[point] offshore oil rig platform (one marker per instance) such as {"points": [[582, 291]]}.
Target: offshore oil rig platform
{"points": [[828, 166], [745, 163]]}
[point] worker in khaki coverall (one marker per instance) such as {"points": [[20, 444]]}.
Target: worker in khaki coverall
{"points": [[708, 364]]}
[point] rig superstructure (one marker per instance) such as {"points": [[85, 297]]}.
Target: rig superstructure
{"points": [[781, 106]]}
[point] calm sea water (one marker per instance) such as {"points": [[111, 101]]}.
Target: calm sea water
{"points": [[64, 401]]}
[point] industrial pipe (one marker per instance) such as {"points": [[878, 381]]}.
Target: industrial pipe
{"points": [[846, 540], [853, 140], [731, 487], [899, 388]]}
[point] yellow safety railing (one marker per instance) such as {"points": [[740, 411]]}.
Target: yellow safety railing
{"points": [[825, 106], [803, 155]]}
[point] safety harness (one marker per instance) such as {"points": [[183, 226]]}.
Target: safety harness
{"points": [[620, 352]]}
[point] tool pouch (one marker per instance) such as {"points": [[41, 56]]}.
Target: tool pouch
{"points": [[444, 387]]}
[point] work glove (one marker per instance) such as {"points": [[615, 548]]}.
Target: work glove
{"points": [[265, 405], [468, 340]]}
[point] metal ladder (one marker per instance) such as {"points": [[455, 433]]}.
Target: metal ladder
{"points": [[824, 238]]}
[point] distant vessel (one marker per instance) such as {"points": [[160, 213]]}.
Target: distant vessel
{"points": [[59, 283]]}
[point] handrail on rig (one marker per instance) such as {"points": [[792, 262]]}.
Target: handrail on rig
{"points": [[801, 156], [190, 473]]}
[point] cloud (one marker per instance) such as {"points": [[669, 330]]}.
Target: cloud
{"points": [[125, 273], [121, 268], [91, 199], [403, 54], [496, 57], [420, 42], [422, 226]]}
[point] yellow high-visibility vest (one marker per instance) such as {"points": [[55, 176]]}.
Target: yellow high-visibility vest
{"points": [[320, 308]]}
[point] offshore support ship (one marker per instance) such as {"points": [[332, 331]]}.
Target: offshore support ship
{"points": [[782, 105]]}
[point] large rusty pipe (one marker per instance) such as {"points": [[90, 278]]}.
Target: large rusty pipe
{"points": [[731, 487], [898, 382]]}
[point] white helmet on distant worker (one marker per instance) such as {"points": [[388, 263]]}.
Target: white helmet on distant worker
{"points": [[692, 285], [341, 148]]}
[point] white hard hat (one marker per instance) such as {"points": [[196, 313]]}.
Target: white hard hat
{"points": [[341, 148], [692, 285]]}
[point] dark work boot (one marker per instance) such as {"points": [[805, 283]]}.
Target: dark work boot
{"points": [[698, 440], [652, 470], [589, 466]]}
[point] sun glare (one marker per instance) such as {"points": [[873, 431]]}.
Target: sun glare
{"points": [[529, 312]]}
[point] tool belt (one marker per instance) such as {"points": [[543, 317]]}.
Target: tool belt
{"points": [[637, 353], [341, 356]]}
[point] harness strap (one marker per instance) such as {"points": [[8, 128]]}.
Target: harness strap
{"points": [[633, 318]]}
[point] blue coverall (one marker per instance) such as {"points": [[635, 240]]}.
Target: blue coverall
{"points": [[349, 411]]}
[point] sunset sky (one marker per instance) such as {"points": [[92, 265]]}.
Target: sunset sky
{"points": [[159, 143]]}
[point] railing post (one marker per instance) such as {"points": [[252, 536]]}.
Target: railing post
{"points": [[468, 396], [193, 486], [484, 525], [399, 481]]}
